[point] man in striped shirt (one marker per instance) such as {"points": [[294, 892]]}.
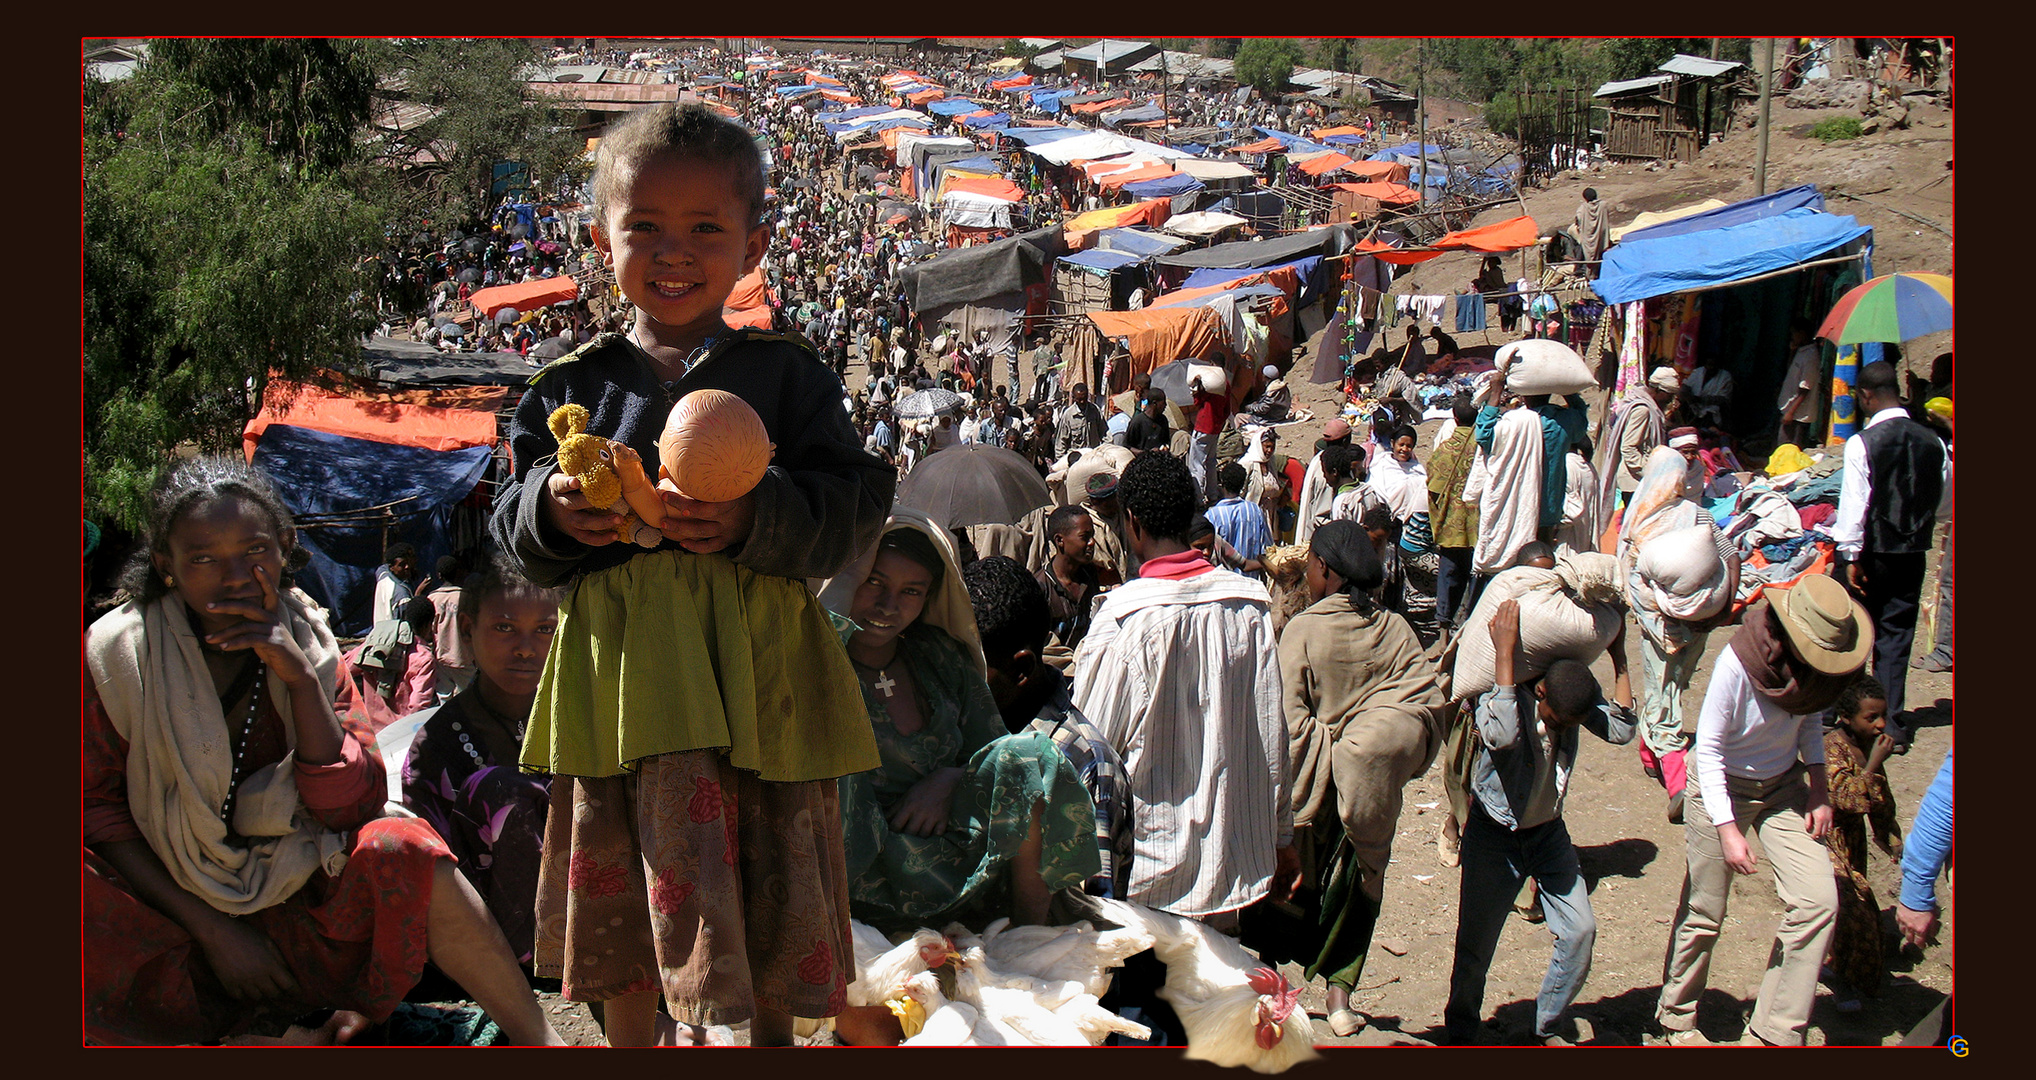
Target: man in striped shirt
{"points": [[1180, 673]]}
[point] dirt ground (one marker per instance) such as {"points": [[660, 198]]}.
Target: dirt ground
{"points": [[1631, 855]]}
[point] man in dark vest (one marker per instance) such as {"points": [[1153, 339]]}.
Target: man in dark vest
{"points": [[1897, 481]]}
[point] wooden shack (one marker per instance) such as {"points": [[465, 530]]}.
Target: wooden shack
{"points": [[1664, 116]]}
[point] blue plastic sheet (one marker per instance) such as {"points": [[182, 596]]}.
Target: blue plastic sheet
{"points": [[1637, 269], [320, 473], [1164, 186], [1739, 213]]}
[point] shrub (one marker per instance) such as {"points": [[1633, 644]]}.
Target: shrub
{"points": [[1836, 128]]}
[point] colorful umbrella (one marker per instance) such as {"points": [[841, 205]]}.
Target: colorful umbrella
{"points": [[1891, 307]]}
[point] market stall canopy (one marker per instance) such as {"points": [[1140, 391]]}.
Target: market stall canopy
{"points": [[1391, 172], [525, 295], [1205, 170], [1636, 269], [1509, 235], [1323, 163], [966, 275], [400, 362], [996, 188], [1100, 144], [952, 107], [1765, 206], [1170, 186], [1202, 223], [1101, 260], [1652, 218], [1389, 194], [1160, 335], [396, 423], [1262, 146], [1121, 177], [1138, 242], [749, 303], [1325, 240], [1077, 230]]}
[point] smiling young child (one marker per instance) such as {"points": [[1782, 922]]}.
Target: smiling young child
{"points": [[696, 705]]}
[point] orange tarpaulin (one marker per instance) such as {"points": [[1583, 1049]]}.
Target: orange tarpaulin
{"points": [[1153, 212], [749, 303], [1161, 335], [1329, 162], [1133, 176], [525, 295], [995, 187], [1392, 172], [1099, 106], [1093, 169], [924, 96], [1262, 146], [1323, 133], [1509, 235], [1390, 194], [1283, 278], [377, 421], [1006, 84]]}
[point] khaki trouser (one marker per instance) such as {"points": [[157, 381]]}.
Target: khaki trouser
{"points": [[1802, 875]]}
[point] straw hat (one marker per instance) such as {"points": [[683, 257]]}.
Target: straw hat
{"points": [[1825, 625]]}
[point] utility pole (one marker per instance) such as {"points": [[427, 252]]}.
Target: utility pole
{"points": [[1766, 95], [1421, 109]]}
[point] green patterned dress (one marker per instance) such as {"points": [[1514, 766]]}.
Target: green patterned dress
{"points": [[963, 873]]}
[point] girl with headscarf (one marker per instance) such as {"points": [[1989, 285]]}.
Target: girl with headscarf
{"points": [[1363, 708], [1269, 478], [1681, 574], [961, 820]]}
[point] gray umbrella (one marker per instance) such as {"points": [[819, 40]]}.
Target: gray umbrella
{"points": [[974, 484], [1173, 379], [470, 275], [506, 316], [551, 349], [925, 403]]}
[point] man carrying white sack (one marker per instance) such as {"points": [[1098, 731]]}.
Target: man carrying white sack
{"points": [[1680, 575]]}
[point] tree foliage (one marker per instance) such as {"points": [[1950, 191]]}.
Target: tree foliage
{"points": [[1267, 63], [1337, 54], [1222, 48], [223, 231]]}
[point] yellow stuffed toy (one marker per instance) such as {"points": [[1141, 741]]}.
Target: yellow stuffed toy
{"points": [[611, 476]]}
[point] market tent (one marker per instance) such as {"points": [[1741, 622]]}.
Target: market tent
{"points": [[1636, 269], [1202, 223], [401, 362], [749, 303], [986, 120], [1324, 134], [1262, 146], [1033, 136], [1009, 63], [975, 211], [1652, 218], [319, 473], [1170, 186], [1323, 163], [1100, 260], [977, 273], [1012, 83], [1387, 193], [1137, 114], [1161, 335], [1137, 242], [1093, 107], [306, 406], [1101, 144], [1077, 230], [1509, 235], [525, 295], [1801, 196], [1206, 171], [952, 107], [992, 188], [1297, 278], [1121, 177], [1391, 172], [1325, 240]]}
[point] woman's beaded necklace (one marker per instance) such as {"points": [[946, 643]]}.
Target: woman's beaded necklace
{"points": [[466, 739], [254, 705]]}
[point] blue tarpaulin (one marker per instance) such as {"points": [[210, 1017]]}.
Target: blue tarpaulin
{"points": [[1035, 136], [1412, 149], [1306, 269], [1240, 295], [1100, 259], [1738, 213], [1133, 115], [1294, 143], [986, 121], [1138, 242], [1164, 186], [980, 163], [839, 115], [1048, 100], [792, 91], [952, 107], [1638, 269], [319, 473]]}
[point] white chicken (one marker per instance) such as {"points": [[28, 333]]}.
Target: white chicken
{"points": [[1236, 1009], [881, 975], [1044, 1011], [1057, 953]]}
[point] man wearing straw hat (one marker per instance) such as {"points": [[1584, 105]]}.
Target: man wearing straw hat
{"points": [[1760, 768]]}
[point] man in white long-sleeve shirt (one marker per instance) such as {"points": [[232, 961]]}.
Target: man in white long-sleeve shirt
{"points": [[1179, 671], [1897, 483], [1759, 764]]}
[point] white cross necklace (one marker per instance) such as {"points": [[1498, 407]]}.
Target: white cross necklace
{"points": [[883, 681]]}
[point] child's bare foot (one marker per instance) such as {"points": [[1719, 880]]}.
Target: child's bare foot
{"points": [[671, 1032], [868, 1025]]}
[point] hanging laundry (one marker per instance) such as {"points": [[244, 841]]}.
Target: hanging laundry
{"points": [[1470, 312], [1368, 304], [1632, 345], [1428, 307]]}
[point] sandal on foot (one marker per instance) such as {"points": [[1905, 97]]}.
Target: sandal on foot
{"points": [[1531, 912], [1448, 846], [1692, 1037], [1346, 1022]]}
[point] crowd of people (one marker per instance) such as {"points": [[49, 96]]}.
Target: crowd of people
{"points": [[664, 780]]}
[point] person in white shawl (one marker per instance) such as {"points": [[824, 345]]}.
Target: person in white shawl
{"points": [[1317, 494], [1635, 425], [1681, 575], [236, 858]]}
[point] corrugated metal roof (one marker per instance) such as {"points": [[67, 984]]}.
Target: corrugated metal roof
{"points": [[1702, 68], [1106, 51], [607, 96], [1041, 43], [1185, 64], [1612, 89]]}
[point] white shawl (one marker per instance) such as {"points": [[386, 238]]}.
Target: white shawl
{"points": [[1509, 510], [151, 676]]}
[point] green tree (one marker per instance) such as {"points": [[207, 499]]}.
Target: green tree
{"points": [[485, 113], [224, 229], [1337, 54], [1267, 63], [1222, 48]]}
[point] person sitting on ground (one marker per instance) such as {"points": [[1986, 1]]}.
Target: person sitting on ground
{"points": [[455, 765], [1031, 695], [1275, 400], [1445, 346], [1528, 741], [963, 820], [236, 862]]}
